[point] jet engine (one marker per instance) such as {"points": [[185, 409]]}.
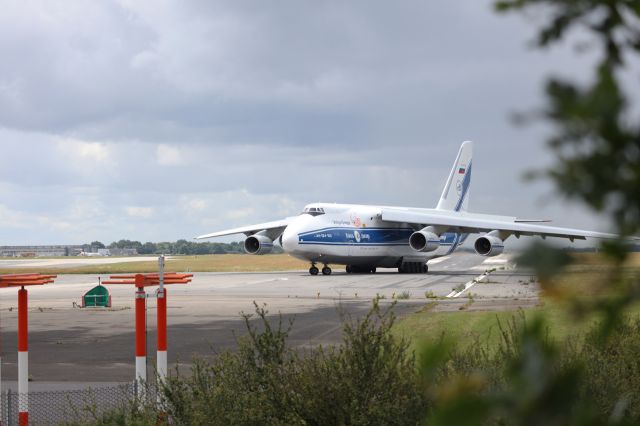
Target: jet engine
{"points": [[258, 244], [424, 240], [488, 245]]}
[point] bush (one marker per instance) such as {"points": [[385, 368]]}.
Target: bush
{"points": [[370, 379], [530, 379]]}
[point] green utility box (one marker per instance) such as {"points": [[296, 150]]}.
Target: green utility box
{"points": [[97, 297]]}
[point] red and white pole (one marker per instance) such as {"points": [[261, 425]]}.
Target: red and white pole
{"points": [[23, 359], [162, 337], [1, 402], [141, 340], [162, 333], [162, 325]]}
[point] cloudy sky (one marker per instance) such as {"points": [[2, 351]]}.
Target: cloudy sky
{"points": [[158, 120]]}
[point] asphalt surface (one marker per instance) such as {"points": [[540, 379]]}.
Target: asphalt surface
{"points": [[69, 345]]}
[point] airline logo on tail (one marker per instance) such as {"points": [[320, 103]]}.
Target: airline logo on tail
{"points": [[456, 189]]}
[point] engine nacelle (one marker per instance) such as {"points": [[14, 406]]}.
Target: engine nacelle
{"points": [[258, 244], [488, 245], [424, 240]]}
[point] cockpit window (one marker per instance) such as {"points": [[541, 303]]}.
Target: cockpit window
{"points": [[313, 211]]}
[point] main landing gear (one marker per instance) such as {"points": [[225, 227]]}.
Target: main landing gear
{"points": [[359, 269], [413, 268], [314, 270]]}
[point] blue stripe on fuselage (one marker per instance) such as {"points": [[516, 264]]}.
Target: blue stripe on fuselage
{"points": [[362, 236], [369, 237]]}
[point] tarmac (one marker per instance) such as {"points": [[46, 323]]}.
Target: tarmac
{"points": [[70, 346]]}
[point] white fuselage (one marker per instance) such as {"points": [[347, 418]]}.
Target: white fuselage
{"points": [[355, 235]]}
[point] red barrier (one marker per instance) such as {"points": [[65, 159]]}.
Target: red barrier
{"points": [[22, 280], [140, 281]]}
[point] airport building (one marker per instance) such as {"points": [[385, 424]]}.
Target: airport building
{"points": [[40, 251], [62, 250]]}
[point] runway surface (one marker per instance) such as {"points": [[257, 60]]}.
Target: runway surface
{"points": [[70, 344]]}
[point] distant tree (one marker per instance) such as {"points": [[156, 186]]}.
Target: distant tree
{"points": [[148, 248], [97, 244], [126, 244]]}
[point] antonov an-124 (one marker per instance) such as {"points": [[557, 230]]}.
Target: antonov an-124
{"points": [[364, 237]]}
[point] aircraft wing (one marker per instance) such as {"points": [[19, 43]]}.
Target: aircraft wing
{"points": [[477, 223], [274, 228]]}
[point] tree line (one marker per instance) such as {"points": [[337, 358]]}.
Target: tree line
{"points": [[178, 247]]}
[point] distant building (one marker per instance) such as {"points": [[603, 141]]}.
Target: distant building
{"points": [[40, 251], [122, 251]]}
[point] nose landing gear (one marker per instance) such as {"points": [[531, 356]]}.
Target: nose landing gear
{"points": [[314, 270]]}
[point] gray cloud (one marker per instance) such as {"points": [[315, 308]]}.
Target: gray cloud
{"points": [[245, 111]]}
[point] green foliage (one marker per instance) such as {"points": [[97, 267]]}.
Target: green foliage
{"points": [[530, 379], [404, 295], [97, 244], [131, 413], [596, 138], [429, 294], [369, 379]]}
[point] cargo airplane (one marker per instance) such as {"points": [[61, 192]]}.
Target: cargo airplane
{"points": [[364, 237]]}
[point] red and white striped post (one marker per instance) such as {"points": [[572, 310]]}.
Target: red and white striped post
{"points": [[141, 335], [23, 359], [141, 281], [162, 325], [1, 402], [162, 334], [21, 280]]}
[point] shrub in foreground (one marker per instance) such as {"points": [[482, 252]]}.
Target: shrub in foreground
{"points": [[370, 379]]}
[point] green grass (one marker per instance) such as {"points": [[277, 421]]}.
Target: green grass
{"points": [[205, 263], [587, 278], [463, 327], [469, 327]]}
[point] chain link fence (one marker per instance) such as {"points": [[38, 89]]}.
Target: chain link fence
{"points": [[78, 406]]}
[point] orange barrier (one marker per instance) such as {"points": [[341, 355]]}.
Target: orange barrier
{"points": [[140, 281], [22, 280]]}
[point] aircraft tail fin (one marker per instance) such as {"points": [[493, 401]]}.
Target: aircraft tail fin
{"points": [[455, 195]]}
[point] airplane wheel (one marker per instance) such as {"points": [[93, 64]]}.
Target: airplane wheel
{"points": [[425, 268], [349, 269], [326, 271], [373, 270], [313, 270]]}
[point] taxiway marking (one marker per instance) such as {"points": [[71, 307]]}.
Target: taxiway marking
{"points": [[468, 285]]}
